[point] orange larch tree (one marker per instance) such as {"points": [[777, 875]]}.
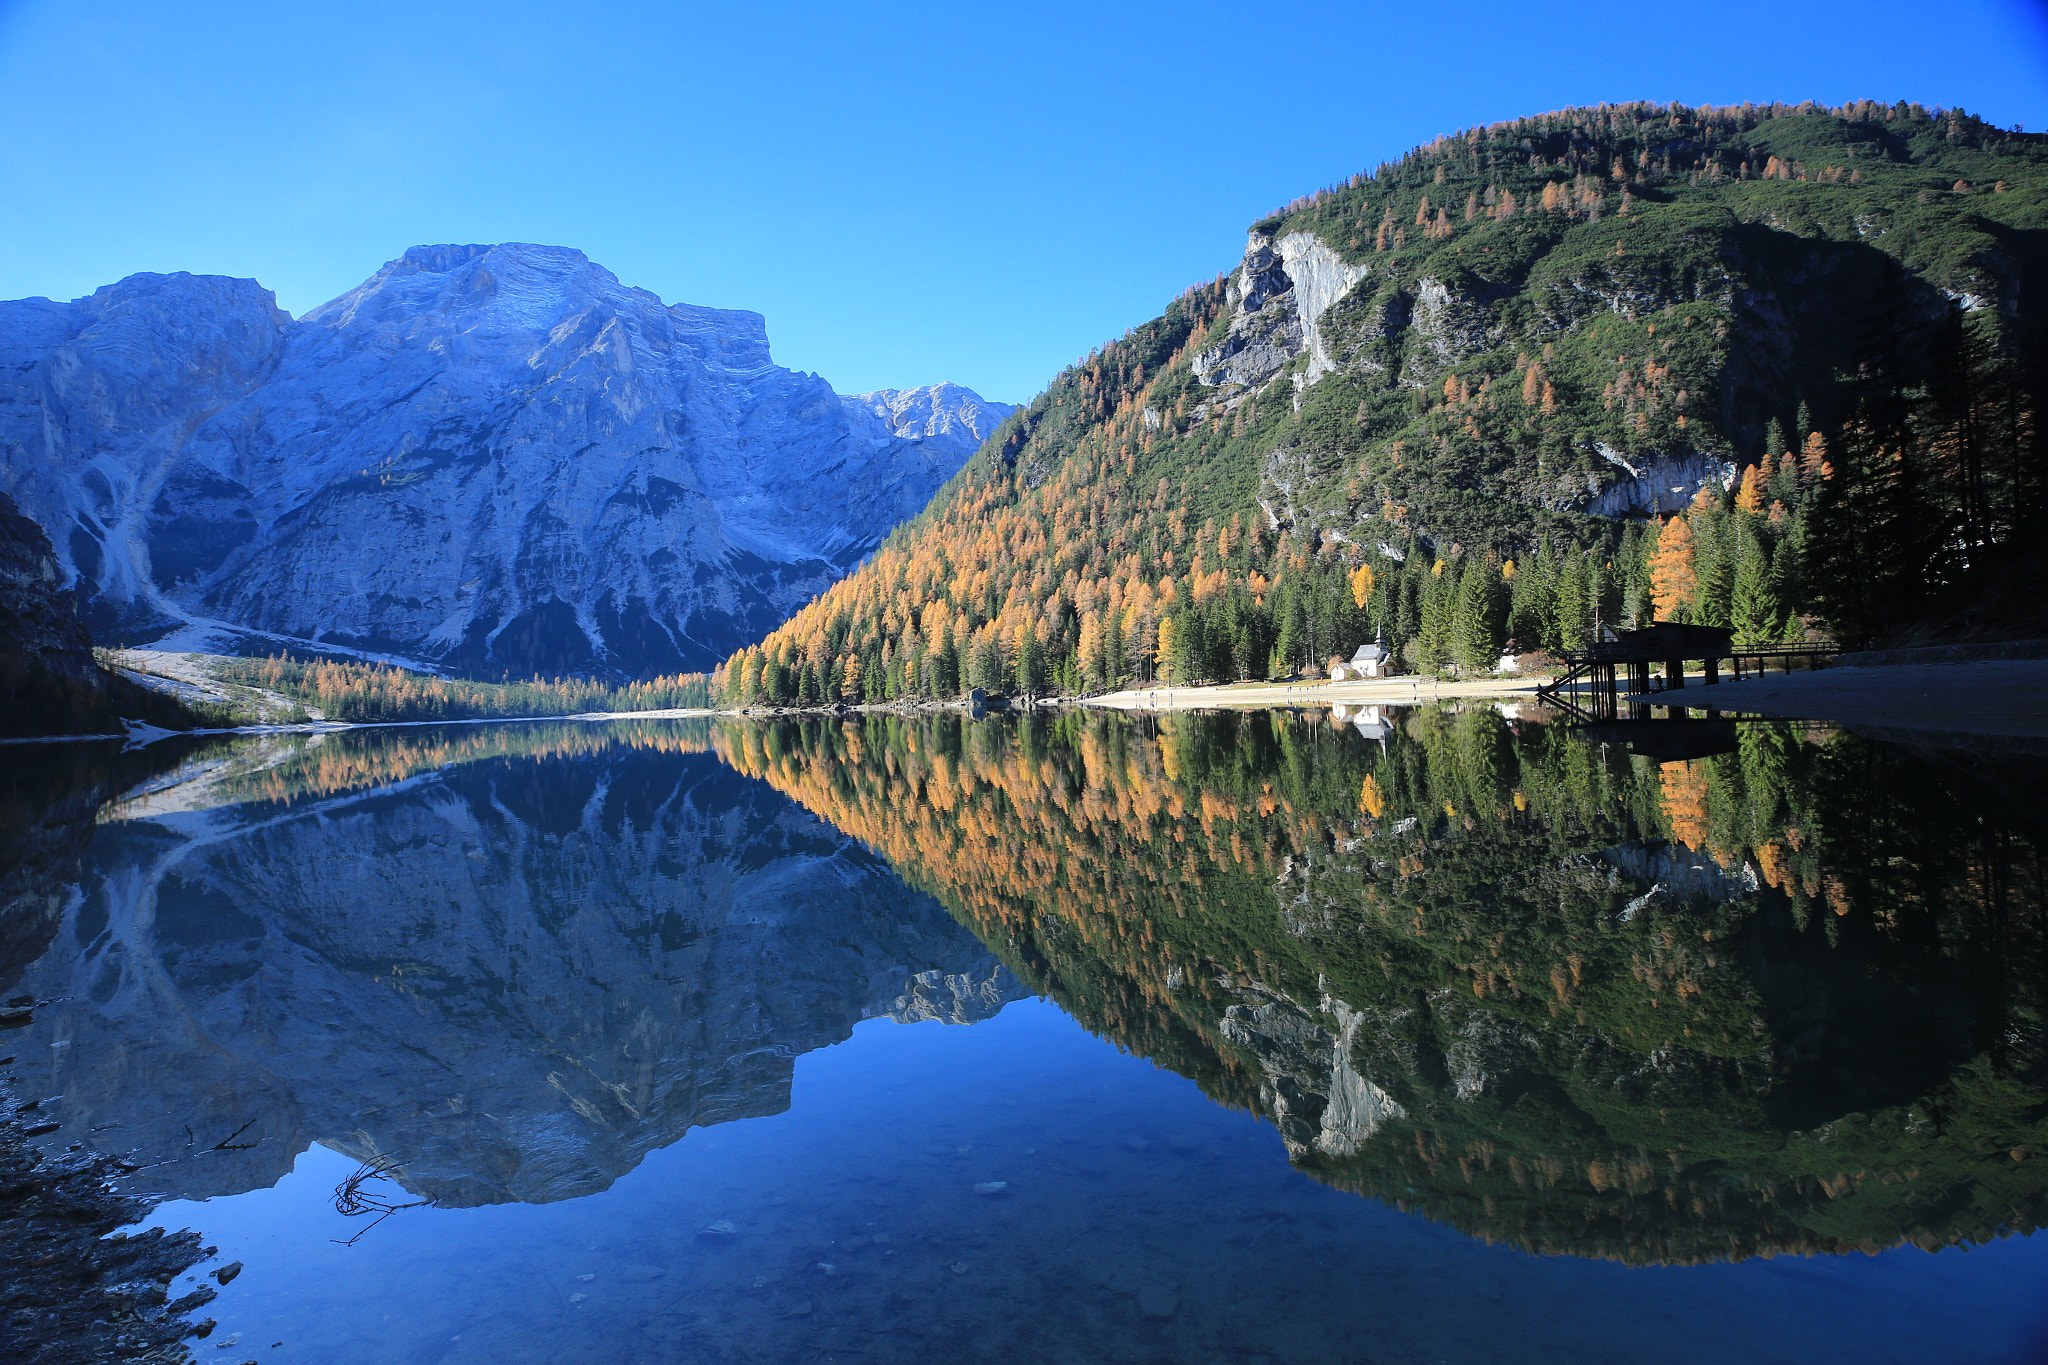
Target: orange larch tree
{"points": [[1674, 574]]}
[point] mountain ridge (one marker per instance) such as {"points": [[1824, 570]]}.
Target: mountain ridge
{"points": [[1492, 347], [493, 458]]}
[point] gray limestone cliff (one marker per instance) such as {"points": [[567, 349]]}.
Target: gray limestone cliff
{"points": [[497, 458], [1278, 296]]}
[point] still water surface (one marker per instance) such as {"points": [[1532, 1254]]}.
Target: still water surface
{"points": [[1434, 1036]]}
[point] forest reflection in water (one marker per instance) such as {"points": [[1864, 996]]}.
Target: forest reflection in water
{"points": [[1786, 997], [1553, 994]]}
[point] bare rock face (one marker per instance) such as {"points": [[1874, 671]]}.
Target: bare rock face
{"points": [[1278, 296], [1659, 485], [519, 976], [499, 458]]}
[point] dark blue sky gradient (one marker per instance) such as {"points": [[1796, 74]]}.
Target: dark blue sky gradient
{"points": [[909, 193]]}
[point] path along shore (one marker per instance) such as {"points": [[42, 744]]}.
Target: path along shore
{"points": [[2008, 698], [1913, 701]]}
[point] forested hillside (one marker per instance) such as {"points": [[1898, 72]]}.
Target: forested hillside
{"points": [[1771, 366]]}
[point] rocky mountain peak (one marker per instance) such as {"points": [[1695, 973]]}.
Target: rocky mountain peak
{"points": [[495, 457], [943, 409]]}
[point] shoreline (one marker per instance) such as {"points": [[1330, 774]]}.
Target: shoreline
{"points": [[150, 734], [1981, 699], [1940, 703], [1405, 690]]}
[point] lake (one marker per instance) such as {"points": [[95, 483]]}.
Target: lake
{"points": [[1445, 1034]]}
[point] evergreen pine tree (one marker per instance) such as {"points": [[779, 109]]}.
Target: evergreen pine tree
{"points": [[1408, 622], [1477, 616], [1433, 635], [1751, 608], [1787, 591], [1571, 604], [1291, 648], [1865, 530], [1715, 553]]}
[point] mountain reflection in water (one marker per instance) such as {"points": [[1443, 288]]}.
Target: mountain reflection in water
{"points": [[516, 959], [1549, 993]]}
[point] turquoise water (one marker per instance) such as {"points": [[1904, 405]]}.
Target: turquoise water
{"points": [[689, 1065]]}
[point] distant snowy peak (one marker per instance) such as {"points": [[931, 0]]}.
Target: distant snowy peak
{"points": [[942, 411]]}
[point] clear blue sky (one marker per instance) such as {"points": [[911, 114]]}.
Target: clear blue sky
{"points": [[977, 192]]}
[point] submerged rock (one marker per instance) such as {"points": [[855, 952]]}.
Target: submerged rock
{"points": [[1157, 1301], [76, 1291]]}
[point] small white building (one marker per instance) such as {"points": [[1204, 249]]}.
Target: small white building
{"points": [[1369, 662]]}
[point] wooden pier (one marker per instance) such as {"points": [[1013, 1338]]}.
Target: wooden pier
{"points": [[1595, 687]]}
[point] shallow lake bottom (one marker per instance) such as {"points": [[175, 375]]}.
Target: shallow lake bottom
{"points": [[1139, 1222]]}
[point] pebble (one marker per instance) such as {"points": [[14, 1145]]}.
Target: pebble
{"points": [[802, 1310], [227, 1273], [993, 1187], [227, 1342], [828, 1267], [724, 1227], [578, 1298], [959, 1267], [586, 1278], [1157, 1301]]}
